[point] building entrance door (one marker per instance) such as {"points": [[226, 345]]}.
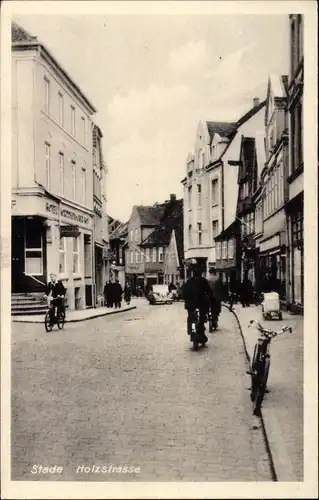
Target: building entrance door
{"points": [[17, 255]]}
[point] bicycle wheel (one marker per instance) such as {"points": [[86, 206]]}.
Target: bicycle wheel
{"points": [[48, 322], [261, 388], [60, 321]]}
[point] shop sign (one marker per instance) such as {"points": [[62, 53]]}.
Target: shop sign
{"points": [[68, 214], [69, 231]]}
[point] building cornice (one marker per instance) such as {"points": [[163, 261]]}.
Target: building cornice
{"points": [[50, 59]]}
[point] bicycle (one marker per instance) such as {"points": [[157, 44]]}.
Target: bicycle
{"points": [[260, 364], [195, 330], [52, 318]]}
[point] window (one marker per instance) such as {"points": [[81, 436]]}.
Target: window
{"points": [[47, 149], [230, 249], [245, 190], [199, 233], [46, 95], [154, 254], [147, 253], [33, 249], [62, 256], [61, 108], [83, 131], [190, 197], [160, 254], [201, 160], [224, 250], [214, 231], [75, 255], [73, 174], [72, 109], [83, 186], [244, 226], [190, 236], [281, 182], [61, 169], [131, 259], [136, 234], [218, 248], [215, 197], [132, 233], [142, 255], [136, 257], [199, 195]]}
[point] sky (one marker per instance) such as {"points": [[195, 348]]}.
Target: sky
{"points": [[152, 78]]}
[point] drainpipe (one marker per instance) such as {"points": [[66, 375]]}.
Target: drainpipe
{"points": [[223, 196]]}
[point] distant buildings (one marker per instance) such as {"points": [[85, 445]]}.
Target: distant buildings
{"points": [[243, 189], [58, 202]]}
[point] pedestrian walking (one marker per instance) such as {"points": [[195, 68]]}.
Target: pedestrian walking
{"points": [[217, 295], [117, 294], [108, 289], [127, 294]]}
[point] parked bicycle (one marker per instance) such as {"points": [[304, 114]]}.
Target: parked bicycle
{"points": [[55, 314], [260, 364]]}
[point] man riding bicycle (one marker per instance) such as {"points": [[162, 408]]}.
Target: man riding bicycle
{"points": [[196, 294], [56, 292]]}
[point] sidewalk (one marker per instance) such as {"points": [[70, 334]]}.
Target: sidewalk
{"points": [[282, 408], [74, 316]]}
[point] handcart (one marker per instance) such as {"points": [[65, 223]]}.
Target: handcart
{"points": [[271, 306]]}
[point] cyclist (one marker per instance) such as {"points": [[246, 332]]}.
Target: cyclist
{"points": [[196, 294], [56, 291], [216, 296]]}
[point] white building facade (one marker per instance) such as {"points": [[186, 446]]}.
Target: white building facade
{"points": [[52, 175]]}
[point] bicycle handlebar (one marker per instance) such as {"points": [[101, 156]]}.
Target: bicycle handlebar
{"points": [[267, 332]]}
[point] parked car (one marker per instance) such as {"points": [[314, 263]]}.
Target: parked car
{"points": [[159, 294]]}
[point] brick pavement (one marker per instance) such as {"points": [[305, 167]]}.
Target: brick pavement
{"points": [[129, 390], [283, 407]]}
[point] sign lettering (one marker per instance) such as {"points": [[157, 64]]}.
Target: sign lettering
{"points": [[73, 216]]}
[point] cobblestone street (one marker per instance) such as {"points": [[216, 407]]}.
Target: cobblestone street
{"points": [[128, 390]]}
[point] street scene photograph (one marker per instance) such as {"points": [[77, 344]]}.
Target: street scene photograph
{"points": [[157, 248]]}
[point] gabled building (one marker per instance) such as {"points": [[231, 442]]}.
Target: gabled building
{"points": [[273, 243], [165, 242], [294, 207], [143, 221]]}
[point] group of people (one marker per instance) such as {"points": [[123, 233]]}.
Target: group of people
{"points": [[113, 294]]}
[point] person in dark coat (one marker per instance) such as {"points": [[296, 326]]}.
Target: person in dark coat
{"points": [[108, 294], [127, 293], [56, 290], [196, 294], [117, 294], [217, 295], [246, 292]]}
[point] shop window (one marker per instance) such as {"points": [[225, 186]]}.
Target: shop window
{"points": [[62, 256], [33, 249], [76, 255]]}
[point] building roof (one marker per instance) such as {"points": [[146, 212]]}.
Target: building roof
{"points": [[150, 215], [21, 39], [231, 230], [19, 34], [172, 219], [224, 129], [120, 231], [279, 85]]}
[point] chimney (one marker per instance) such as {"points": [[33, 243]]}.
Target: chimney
{"points": [[173, 197], [256, 101]]}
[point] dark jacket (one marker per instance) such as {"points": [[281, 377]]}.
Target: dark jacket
{"points": [[56, 289], [216, 288], [117, 292], [197, 293]]}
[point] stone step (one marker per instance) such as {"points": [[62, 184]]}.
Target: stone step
{"points": [[31, 312], [35, 305]]}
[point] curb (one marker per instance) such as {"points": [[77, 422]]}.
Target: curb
{"points": [[264, 431], [108, 313]]}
